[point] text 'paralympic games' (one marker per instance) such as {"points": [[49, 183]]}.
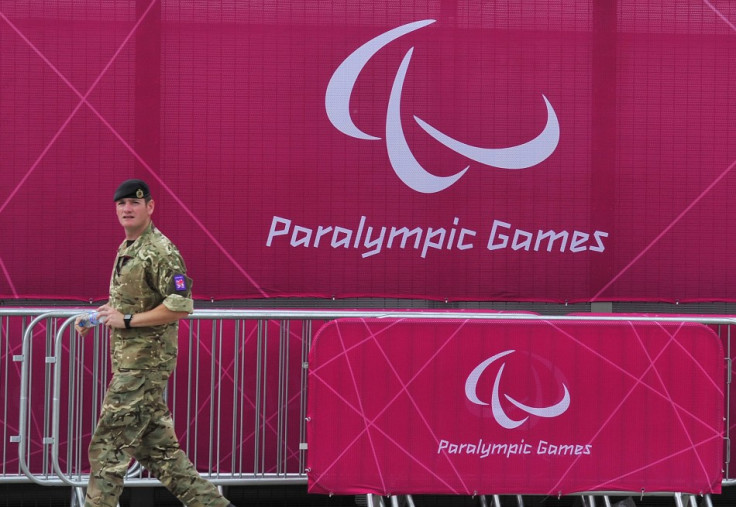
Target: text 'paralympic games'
{"points": [[372, 240]]}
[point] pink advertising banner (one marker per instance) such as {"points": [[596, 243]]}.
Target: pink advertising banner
{"points": [[574, 151], [510, 407]]}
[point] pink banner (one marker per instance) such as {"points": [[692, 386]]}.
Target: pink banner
{"points": [[511, 407], [571, 151]]}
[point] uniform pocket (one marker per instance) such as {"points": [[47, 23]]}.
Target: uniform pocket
{"points": [[126, 390], [123, 416]]}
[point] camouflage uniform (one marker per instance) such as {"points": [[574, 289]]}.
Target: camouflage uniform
{"points": [[135, 421]]}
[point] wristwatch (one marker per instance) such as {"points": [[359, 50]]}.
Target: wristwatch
{"points": [[126, 319]]}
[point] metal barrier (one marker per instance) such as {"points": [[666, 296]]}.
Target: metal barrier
{"points": [[238, 395], [13, 324]]}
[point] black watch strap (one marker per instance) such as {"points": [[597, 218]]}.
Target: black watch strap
{"points": [[127, 319]]}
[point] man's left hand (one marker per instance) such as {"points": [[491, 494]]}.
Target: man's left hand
{"points": [[113, 317]]}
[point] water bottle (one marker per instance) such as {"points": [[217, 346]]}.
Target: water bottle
{"points": [[91, 319]]}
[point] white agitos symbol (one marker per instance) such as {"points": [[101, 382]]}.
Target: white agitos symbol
{"points": [[471, 386], [406, 166]]}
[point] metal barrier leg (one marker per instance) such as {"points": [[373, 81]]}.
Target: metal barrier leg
{"points": [[401, 501], [692, 500], [482, 500], [374, 500], [496, 501], [77, 497], [520, 500], [606, 501]]}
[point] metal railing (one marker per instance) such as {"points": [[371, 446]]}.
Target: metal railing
{"points": [[238, 394]]}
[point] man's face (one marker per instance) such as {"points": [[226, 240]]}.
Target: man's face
{"points": [[134, 214]]}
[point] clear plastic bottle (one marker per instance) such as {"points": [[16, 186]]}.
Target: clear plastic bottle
{"points": [[91, 319]]}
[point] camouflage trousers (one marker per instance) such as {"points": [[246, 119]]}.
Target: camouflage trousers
{"points": [[136, 423]]}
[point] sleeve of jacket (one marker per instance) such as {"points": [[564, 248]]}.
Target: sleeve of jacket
{"points": [[172, 282]]}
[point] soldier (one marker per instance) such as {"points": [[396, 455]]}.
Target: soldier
{"points": [[149, 293]]}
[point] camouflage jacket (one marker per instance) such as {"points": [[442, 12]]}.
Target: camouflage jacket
{"points": [[148, 272]]}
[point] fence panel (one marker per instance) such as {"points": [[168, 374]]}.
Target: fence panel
{"points": [[527, 406]]}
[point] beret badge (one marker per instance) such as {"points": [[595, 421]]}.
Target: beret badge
{"points": [[132, 188]]}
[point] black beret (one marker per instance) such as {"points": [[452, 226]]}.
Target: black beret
{"points": [[132, 189]]}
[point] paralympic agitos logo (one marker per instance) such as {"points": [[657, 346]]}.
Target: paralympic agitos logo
{"points": [[404, 163], [499, 414]]}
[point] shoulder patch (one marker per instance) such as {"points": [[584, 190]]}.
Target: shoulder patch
{"points": [[180, 282]]}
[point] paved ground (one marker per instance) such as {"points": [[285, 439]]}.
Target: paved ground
{"points": [[25, 495]]}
